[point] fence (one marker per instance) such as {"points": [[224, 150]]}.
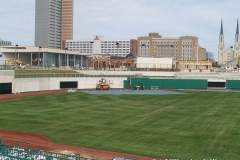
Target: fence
{"points": [[6, 67], [109, 67], [44, 75]]}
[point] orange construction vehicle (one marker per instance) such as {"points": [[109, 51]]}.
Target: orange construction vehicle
{"points": [[102, 85]]}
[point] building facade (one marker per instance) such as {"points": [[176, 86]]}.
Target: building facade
{"points": [[180, 48], [100, 46], [53, 23], [5, 43], [37, 57], [229, 55], [67, 22]]}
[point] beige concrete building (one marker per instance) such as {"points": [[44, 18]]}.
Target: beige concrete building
{"points": [[180, 48]]}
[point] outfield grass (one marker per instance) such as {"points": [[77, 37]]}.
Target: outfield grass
{"points": [[193, 125]]}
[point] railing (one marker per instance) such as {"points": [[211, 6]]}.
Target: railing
{"points": [[44, 75], [133, 67], [106, 67], [6, 67]]}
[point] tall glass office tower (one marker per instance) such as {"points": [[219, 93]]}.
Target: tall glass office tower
{"points": [[53, 23]]}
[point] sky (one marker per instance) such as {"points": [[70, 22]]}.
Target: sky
{"points": [[129, 19]]}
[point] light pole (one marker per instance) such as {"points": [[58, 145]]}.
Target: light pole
{"points": [[173, 56], [172, 48], [186, 59], [92, 46], [15, 55], [141, 48], [208, 61], [117, 48], [66, 56], [197, 57], [39, 54]]}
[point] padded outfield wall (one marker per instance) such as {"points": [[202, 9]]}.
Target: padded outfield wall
{"points": [[180, 83], [167, 83], [233, 84]]}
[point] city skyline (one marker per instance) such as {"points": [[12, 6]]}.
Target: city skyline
{"points": [[114, 19]]}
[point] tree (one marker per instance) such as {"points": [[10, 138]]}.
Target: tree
{"points": [[209, 55]]}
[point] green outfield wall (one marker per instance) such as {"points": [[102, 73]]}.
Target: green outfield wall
{"points": [[167, 83], [233, 84]]}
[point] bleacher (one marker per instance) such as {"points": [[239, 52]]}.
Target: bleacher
{"points": [[25, 152]]}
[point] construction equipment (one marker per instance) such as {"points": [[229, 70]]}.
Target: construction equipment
{"points": [[102, 85], [20, 64], [17, 63]]}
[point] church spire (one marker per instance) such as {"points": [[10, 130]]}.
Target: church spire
{"points": [[237, 30], [221, 31]]}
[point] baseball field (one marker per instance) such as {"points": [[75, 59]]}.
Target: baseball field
{"points": [[195, 125]]}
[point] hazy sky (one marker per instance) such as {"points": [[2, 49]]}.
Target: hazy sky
{"points": [[128, 19]]}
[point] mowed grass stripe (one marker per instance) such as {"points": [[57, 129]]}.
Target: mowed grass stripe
{"points": [[192, 125]]}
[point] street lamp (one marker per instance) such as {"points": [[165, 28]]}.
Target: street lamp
{"points": [[229, 57], [208, 61], [15, 55], [172, 48], [117, 48], [92, 46], [66, 56], [39, 54], [186, 59], [197, 57], [141, 47]]}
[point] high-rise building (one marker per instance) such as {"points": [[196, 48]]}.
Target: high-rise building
{"points": [[53, 23]]}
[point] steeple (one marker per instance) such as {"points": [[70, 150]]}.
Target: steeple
{"points": [[221, 56], [237, 30], [237, 42], [221, 31]]}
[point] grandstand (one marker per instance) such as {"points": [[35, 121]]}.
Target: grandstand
{"points": [[22, 151]]}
